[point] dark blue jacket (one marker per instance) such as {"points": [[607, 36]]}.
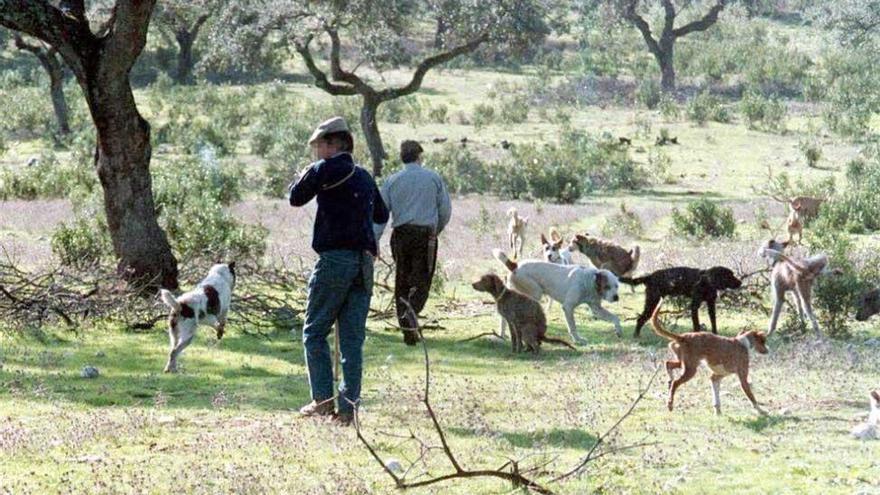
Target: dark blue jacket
{"points": [[349, 204]]}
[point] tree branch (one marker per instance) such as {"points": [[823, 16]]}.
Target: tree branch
{"points": [[642, 25], [336, 70], [321, 80], [128, 32], [703, 24], [71, 37], [429, 63]]}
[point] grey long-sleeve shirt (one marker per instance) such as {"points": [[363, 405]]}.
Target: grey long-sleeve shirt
{"points": [[416, 196]]}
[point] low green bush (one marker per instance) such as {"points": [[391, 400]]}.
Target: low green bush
{"points": [[703, 218]]}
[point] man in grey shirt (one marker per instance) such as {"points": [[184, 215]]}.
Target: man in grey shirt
{"points": [[420, 209]]}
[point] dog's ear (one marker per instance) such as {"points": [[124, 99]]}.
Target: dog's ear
{"points": [[169, 300], [601, 283], [875, 398], [543, 239], [497, 283]]}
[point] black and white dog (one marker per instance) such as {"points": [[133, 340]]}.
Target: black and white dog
{"points": [[207, 304]]}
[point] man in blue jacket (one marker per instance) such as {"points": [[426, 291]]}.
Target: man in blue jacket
{"points": [[341, 284]]}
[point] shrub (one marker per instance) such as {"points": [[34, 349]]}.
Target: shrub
{"points": [[483, 115], [83, 243], [811, 150], [669, 108], [514, 110], [850, 81], [462, 171], [763, 113], [648, 93], [856, 207], [703, 218], [47, 178], [624, 222], [438, 114], [190, 194], [407, 109], [706, 106], [836, 294]]}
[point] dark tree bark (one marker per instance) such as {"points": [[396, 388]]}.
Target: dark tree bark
{"points": [[48, 58], [348, 83], [186, 38], [663, 49], [101, 63]]}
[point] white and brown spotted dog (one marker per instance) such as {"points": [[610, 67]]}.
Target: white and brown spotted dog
{"points": [[207, 304]]}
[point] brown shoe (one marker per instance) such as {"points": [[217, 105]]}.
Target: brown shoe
{"points": [[343, 419], [315, 408]]}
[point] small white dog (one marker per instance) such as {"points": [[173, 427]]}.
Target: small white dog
{"points": [[870, 430], [516, 232], [207, 304], [569, 285], [553, 250]]}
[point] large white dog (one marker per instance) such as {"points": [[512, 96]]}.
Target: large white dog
{"points": [[570, 285], [207, 304]]}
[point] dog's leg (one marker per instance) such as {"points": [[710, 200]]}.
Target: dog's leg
{"points": [[744, 382], [515, 338], [710, 306], [806, 294], [171, 366], [716, 392], [502, 328], [695, 313], [606, 315], [568, 309], [798, 300], [670, 366], [186, 337], [651, 302], [689, 371], [778, 300]]}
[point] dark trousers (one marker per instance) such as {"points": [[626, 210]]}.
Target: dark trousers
{"points": [[414, 249]]}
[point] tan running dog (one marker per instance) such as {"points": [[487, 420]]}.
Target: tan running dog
{"points": [[795, 225], [606, 255], [723, 355], [528, 325], [796, 275], [516, 232]]}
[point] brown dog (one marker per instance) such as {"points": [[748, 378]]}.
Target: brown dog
{"points": [[528, 325], [868, 305], [723, 355], [606, 255]]}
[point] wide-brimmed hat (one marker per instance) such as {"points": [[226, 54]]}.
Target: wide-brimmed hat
{"points": [[336, 124]]}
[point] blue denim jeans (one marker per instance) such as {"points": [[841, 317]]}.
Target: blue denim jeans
{"points": [[340, 289]]}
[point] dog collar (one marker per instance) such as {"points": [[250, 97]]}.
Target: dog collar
{"points": [[503, 291]]}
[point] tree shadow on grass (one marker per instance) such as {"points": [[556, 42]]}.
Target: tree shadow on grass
{"points": [[761, 423], [557, 438]]}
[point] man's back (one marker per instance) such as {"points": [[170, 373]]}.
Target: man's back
{"points": [[417, 196]]}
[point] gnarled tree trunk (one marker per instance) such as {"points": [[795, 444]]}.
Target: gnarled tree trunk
{"points": [[101, 63], [184, 57], [123, 164], [370, 126]]}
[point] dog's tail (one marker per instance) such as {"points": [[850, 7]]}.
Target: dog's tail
{"points": [[635, 255], [658, 327], [500, 256], [633, 281], [558, 341]]}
